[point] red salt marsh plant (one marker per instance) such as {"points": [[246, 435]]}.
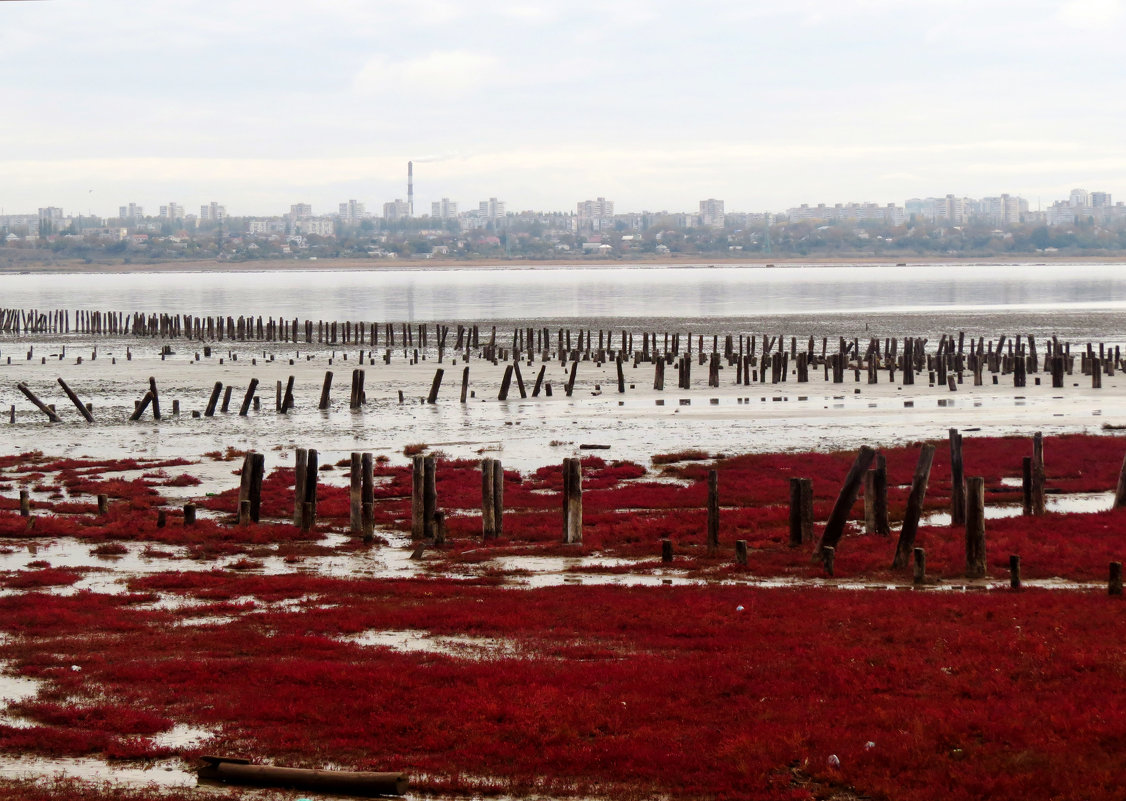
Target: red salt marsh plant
{"points": [[614, 692]]}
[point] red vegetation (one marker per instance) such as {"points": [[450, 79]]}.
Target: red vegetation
{"points": [[611, 692]]}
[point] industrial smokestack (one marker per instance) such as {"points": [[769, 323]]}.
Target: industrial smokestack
{"points": [[410, 188]]}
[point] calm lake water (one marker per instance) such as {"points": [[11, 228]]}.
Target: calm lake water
{"points": [[586, 293]]}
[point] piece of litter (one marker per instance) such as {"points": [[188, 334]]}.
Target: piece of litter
{"points": [[738, 609], [868, 746], [833, 761]]}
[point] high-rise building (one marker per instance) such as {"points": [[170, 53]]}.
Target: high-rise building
{"points": [[491, 209], [130, 212], [352, 211], [595, 215], [300, 211], [212, 212], [1080, 199], [444, 209], [711, 213], [397, 209], [173, 211]]}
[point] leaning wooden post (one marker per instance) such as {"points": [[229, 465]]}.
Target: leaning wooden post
{"points": [[957, 480], [910, 526], [488, 526], [418, 472], [301, 463], [1038, 504], [834, 528], [78, 404], [356, 495], [213, 400], [326, 391], [248, 397], [40, 405], [801, 511], [435, 386], [572, 501], [975, 527], [713, 512], [430, 496]]}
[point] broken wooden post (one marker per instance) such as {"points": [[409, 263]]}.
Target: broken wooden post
{"points": [[40, 405], [309, 499], [801, 511], [834, 527], [78, 404], [287, 396], [25, 503], [1014, 571], [828, 558], [326, 390], [975, 527], [300, 465], [488, 524], [572, 501], [355, 783], [740, 552], [920, 566], [914, 507], [103, 504], [439, 528], [713, 512], [957, 480], [144, 404], [367, 489], [1114, 583], [189, 514]]}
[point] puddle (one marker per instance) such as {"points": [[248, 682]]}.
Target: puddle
{"points": [[1077, 503], [461, 646]]}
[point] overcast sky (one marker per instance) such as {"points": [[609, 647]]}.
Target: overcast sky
{"points": [[258, 104]]}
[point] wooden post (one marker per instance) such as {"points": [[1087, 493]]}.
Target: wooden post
{"points": [[25, 503], [309, 501], [326, 390], [906, 542], [300, 466], [666, 550], [880, 490], [47, 410], [213, 400], [740, 552], [975, 527], [488, 519], [1038, 503], [248, 397], [498, 498], [828, 557], [920, 576], [465, 382], [418, 474], [834, 528], [505, 383], [367, 489], [78, 404], [355, 495], [244, 513], [103, 504], [1120, 492], [870, 501], [1014, 571], [570, 385], [572, 501], [144, 404], [429, 496], [1114, 584], [189, 514], [713, 512], [435, 385], [801, 511], [957, 480], [155, 398]]}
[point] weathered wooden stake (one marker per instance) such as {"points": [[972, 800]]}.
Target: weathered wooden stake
{"points": [[326, 391], [213, 400], [1014, 571], [801, 511], [189, 514], [572, 501], [418, 510], [435, 386], [713, 512], [906, 542], [246, 401], [78, 404], [834, 528], [155, 398], [975, 527], [957, 480], [1038, 476], [47, 410], [430, 496], [25, 503], [666, 550], [828, 557], [740, 552], [356, 495], [103, 504], [880, 490], [920, 566], [488, 520], [1114, 583]]}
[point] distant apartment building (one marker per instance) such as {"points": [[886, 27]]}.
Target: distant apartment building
{"points": [[352, 211], [711, 213], [397, 209], [847, 212], [1082, 206], [595, 215], [300, 211], [444, 209], [315, 226], [130, 212], [173, 211], [1003, 210], [212, 212], [266, 226], [491, 210]]}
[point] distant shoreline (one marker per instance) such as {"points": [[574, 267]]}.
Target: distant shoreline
{"points": [[389, 265]]}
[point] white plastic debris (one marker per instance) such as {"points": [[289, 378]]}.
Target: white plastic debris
{"points": [[833, 761], [739, 608], [868, 746]]}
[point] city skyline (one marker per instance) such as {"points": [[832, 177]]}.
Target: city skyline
{"points": [[652, 104]]}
